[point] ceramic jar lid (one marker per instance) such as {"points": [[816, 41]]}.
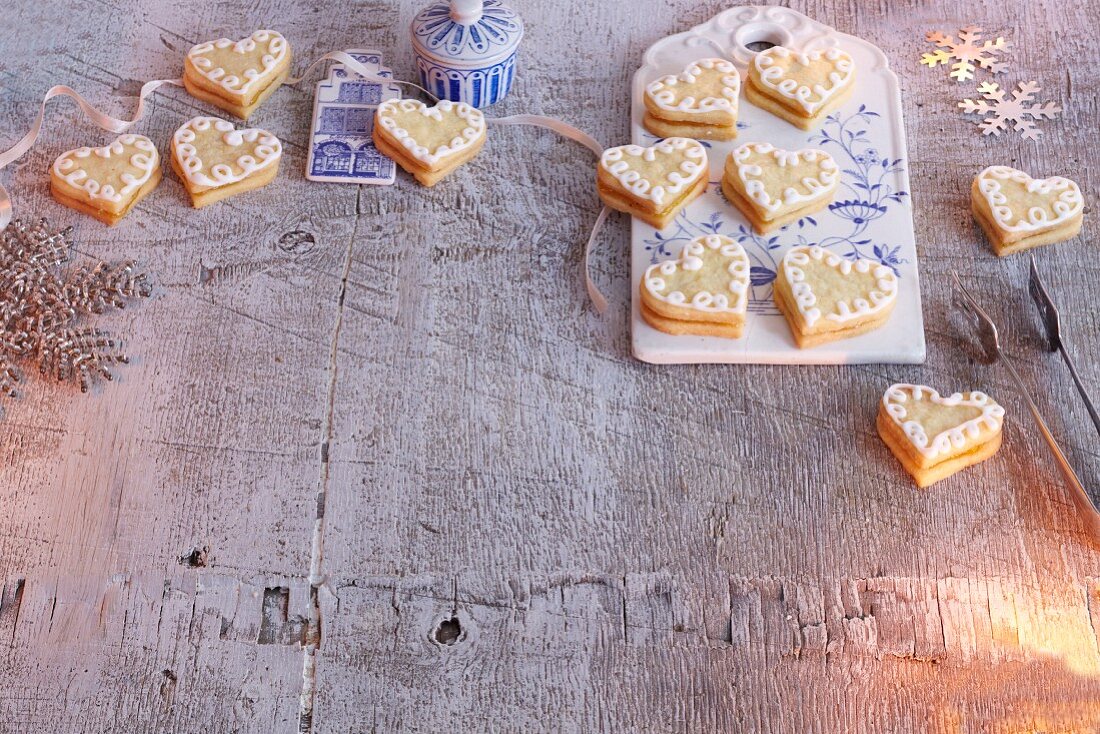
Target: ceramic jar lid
{"points": [[467, 33]]}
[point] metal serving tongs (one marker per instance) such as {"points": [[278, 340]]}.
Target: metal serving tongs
{"points": [[987, 339], [1049, 313]]}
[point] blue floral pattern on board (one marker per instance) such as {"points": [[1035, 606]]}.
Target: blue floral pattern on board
{"points": [[864, 196]]}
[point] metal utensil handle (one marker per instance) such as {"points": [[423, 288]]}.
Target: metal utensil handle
{"points": [[1086, 508], [1080, 388]]}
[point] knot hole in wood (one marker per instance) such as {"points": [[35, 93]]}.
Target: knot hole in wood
{"points": [[297, 242], [448, 632], [196, 557]]}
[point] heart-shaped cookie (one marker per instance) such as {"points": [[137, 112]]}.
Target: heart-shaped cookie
{"points": [[659, 172], [214, 159], [934, 436], [936, 425], [705, 93], [237, 75], [801, 87], [1018, 211], [428, 142], [708, 282], [432, 134], [778, 180], [106, 182], [825, 297], [239, 66], [653, 183], [774, 187], [700, 102]]}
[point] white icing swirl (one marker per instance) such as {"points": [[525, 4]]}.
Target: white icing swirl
{"points": [[266, 150], [686, 163], [143, 158], [1066, 202], [857, 306], [898, 396], [274, 53], [730, 255]]}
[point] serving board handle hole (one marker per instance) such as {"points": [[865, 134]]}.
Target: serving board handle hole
{"points": [[757, 37]]}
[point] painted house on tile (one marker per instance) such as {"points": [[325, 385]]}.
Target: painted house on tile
{"points": [[341, 149]]}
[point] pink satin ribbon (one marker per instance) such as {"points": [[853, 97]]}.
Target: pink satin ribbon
{"points": [[550, 123], [116, 125], [351, 63], [598, 299], [102, 119], [566, 130], [562, 128]]}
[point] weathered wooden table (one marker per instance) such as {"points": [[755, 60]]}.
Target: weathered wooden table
{"points": [[395, 474]]}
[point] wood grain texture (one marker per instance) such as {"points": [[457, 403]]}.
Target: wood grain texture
{"points": [[399, 476]]}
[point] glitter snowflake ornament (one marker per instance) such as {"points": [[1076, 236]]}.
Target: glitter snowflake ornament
{"points": [[41, 306], [1022, 111], [968, 49]]}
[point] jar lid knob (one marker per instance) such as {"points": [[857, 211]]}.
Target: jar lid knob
{"points": [[466, 12]]}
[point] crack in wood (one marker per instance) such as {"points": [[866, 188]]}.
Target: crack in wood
{"points": [[313, 635], [10, 603]]}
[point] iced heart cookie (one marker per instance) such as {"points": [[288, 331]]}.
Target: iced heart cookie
{"points": [[802, 88], [106, 182], [428, 142], [237, 76], [825, 297], [653, 183], [1018, 212], [774, 187], [934, 436], [703, 292], [700, 102], [214, 160]]}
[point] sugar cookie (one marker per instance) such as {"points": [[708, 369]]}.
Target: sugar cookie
{"points": [[700, 102], [1018, 212], [774, 187], [934, 436], [703, 292], [214, 160], [428, 142], [802, 88], [653, 183], [237, 76], [825, 297], [106, 182]]}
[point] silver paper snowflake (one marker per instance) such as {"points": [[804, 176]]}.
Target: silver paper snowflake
{"points": [[1022, 111], [966, 50], [41, 305]]}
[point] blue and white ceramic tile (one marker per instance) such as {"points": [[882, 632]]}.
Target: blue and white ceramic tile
{"points": [[870, 217], [341, 149]]}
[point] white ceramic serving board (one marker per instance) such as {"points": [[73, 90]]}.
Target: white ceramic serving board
{"points": [[870, 216]]}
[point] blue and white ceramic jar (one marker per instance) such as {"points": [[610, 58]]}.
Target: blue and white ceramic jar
{"points": [[466, 50]]}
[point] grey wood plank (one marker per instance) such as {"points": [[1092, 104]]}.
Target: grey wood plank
{"points": [[209, 440], [405, 479]]}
